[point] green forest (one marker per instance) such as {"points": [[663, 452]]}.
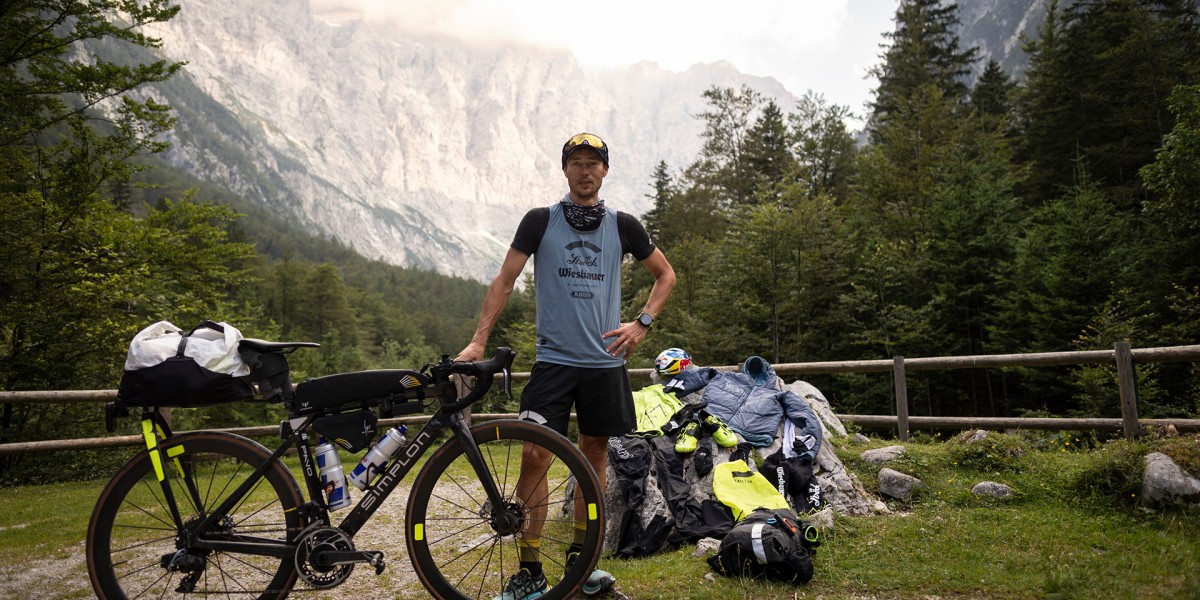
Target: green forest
{"points": [[975, 215]]}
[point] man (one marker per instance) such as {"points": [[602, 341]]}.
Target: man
{"points": [[582, 343]]}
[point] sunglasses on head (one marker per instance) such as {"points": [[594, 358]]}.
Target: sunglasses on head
{"points": [[584, 139]]}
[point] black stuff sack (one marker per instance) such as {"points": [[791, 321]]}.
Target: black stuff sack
{"points": [[352, 431], [768, 543], [169, 367]]}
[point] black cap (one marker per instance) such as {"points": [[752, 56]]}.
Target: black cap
{"points": [[589, 140]]}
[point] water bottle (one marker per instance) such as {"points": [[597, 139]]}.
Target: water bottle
{"points": [[379, 456], [333, 478]]}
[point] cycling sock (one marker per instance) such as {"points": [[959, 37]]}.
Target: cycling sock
{"points": [[534, 568], [580, 534], [527, 551]]}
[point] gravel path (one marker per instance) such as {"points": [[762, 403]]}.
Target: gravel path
{"points": [[65, 576]]}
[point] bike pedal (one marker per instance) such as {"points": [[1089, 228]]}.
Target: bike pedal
{"points": [[377, 562]]}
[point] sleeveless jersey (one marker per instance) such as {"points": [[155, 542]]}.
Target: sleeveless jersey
{"points": [[578, 276]]}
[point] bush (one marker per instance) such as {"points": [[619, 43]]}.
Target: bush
{"points": [[1185, 451], [990, 452], [1113, 473]]}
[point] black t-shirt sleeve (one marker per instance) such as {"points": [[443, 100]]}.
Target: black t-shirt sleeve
{"points": [[530, 231], [634, 239]]}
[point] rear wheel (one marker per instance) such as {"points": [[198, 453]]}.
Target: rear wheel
{"points": [[132, 536], [461, 548]]}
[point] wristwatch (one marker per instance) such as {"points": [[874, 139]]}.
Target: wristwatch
{"points": [[646, 319]]}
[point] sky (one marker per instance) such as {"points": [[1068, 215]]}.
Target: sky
{"points": [[826, 46]]}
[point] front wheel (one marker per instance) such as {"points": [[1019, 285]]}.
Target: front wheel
{"points": [[461, 547], [132, 538]]}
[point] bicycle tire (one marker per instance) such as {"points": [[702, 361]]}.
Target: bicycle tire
{"points": [[455, 548], [131, 529]]}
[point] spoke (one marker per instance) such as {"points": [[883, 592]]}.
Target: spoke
{"points": [[454, 480], [471, 568], [165, 575], [502, 485], [229, 482], [238, 508], [226, 577], [447, 536], [143, 543], [145, 482], [487, 569], [238, 559]]}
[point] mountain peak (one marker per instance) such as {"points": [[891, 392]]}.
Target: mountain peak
{"points": [[420, 150]]}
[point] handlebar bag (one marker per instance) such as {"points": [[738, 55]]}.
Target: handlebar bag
{"points": [[168, 367]]}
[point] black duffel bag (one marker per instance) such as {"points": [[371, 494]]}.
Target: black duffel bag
{"points": [[770, 543], [179, 380]]}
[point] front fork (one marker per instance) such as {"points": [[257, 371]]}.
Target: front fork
{"points": [[155, 431], [503, 519]]}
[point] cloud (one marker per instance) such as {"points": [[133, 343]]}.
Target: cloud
{"points": [[410, 14], [820, 45]]}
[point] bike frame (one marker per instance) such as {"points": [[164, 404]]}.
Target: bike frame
{"points": [[295, 431]]}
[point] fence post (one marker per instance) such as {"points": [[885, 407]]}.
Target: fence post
{"points": [[901, 397], [1127, 383]]}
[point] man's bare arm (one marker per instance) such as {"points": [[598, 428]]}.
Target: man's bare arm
{"points": [[494, 303], [630, 334]]}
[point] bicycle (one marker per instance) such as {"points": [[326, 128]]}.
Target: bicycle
{"points": [[217, 514]]}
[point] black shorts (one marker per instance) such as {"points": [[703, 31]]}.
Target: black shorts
{"points": [[602, 399]]}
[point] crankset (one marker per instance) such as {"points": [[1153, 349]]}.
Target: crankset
{"points": [[325, 556]]}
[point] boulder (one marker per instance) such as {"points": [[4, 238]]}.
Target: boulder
{"points": [[707, 546], [829, 421], [882, 456], [972, 436], [992, 489], [840, 488], [1165, 481], [900, 486]]}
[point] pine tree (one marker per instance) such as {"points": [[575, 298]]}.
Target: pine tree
{"points": [[825, 150], [992, 95], [925, 51], [768, 155], [1099, 77], [722, 165]]}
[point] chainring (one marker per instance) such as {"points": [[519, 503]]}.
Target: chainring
{"points": [[316, 539]]}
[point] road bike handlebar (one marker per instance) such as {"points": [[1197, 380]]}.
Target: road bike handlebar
{"points": [[483, 371]]}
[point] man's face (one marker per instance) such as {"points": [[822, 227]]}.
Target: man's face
{"points": [[585, 172]]}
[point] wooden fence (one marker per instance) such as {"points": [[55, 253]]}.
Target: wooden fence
{"points": [[1122, 356]]}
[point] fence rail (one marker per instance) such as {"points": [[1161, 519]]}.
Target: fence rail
{"points": [[1122, 356]]}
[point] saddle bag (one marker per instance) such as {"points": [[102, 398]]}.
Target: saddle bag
{"points": [[168, 367]]}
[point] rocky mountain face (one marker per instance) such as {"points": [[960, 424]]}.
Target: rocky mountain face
{"points": [[996, 27], [422, 151]]}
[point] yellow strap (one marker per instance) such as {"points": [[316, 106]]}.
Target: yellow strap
{"points": [[173, 453], [152, 446]]}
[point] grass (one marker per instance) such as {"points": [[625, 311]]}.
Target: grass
{"points": [[1073, 529]]}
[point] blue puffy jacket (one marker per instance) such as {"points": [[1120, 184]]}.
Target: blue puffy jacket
{"points": [[751, 405]]}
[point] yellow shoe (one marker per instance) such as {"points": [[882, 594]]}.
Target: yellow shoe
{"points": [[686, 442], [724, 436]]}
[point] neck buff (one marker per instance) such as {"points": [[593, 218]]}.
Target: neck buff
{"points": [[583, 218]]}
